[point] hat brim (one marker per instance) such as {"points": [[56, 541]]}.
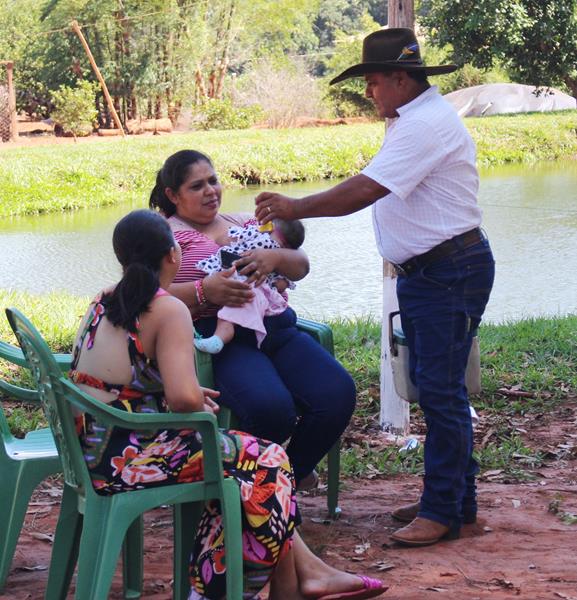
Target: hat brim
{"points": [[376, 67]]}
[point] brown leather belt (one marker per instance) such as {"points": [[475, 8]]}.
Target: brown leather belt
{"points": [[444, 249]]}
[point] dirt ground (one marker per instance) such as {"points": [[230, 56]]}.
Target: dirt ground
{"points": [[524, 544]]}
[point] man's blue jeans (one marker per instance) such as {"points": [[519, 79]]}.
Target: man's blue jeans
{"points": [[441, 308]]}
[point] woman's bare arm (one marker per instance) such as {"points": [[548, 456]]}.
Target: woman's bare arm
{"points": [[174, 353]]}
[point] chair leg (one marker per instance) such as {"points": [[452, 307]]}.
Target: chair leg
{"points": [[133, 560], [65, 547], [333, 474], [102, 535], [232, 540], [15, 491], [186, 518]]}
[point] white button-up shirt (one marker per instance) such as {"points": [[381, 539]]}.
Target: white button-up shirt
{"points": [[427, 161]]}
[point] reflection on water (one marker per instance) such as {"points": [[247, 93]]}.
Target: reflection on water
{"points": [[530, 215]]}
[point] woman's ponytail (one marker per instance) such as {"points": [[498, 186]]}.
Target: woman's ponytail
{"points": [[141, 240], [132, 295], [158, 198]]}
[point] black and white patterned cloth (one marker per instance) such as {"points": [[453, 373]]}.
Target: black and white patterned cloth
{"points": [[246, 238]]}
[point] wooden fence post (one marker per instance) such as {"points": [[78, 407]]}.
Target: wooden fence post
{"points": [[12, 101], [96, 70]]}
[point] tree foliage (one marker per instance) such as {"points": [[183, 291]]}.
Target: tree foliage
{"points": [[536, 40], [158, 56], [74, 108]]}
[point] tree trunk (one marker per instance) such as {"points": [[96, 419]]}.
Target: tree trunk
{"points": [[223, 63], [402, 13], [571, 83]]}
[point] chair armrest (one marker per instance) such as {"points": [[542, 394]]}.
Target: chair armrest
{"points": [[120, 418], [321, 332], [203, 422], [14, 355]]}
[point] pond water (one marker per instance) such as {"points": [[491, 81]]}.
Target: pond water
{"points": [[530, 215]]}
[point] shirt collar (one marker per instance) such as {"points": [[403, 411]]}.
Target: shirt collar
{"points": [[420, 99]]}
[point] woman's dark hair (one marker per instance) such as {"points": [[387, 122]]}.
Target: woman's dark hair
{"points": [[292, 231], [140, 240], [172, 175]]}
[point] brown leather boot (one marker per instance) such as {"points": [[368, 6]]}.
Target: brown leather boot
{"points": [[423, 532], [407, 512]]}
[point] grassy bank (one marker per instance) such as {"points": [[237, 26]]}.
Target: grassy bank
{"points": [[534, 356], [98, 173]]}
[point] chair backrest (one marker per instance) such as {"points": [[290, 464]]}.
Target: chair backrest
{"points": [[46, 374], [5, 433], [203, 362]]}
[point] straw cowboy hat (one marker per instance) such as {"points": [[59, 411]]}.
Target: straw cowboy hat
{"points": [[391, 49]]}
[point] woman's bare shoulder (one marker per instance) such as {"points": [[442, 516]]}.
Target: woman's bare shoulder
{"points": [[165, 312], [169, 304]]}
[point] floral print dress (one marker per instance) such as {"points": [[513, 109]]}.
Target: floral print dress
{"points": [[121, 460]]}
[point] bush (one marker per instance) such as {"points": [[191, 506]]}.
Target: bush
{"points": [[75, 109], [285, 92], [222, 114]]}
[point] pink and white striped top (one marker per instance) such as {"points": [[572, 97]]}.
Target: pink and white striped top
{"points": [[196, 246]]}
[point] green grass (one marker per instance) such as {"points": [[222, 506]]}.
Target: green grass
{"points": [[99, 173], [538, 356], [524, 138]]}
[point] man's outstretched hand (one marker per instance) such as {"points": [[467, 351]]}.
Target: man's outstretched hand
{"points": [[271, 206]]}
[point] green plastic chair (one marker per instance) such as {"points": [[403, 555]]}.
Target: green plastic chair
{"points": [[91, 528], [323, 334], [14, 355], [24, 463]]}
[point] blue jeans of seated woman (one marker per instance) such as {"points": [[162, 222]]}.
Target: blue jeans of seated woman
{"points": [[290, 388], [441, 308]]}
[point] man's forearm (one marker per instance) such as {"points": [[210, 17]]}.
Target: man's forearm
{"points": [[347, 197]]}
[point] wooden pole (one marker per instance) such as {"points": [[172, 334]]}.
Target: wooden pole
{"points": [[76, 29], [12, 102], [11, 99], [394, 417], [402, 13]]}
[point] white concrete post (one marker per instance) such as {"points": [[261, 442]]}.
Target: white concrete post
{"points": [[394, 410], [394, 416]]}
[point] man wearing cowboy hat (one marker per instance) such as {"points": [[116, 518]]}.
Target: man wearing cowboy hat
{"points": [[422, 185]]}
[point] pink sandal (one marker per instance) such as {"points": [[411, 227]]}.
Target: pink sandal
{"points": [[371, 588]]}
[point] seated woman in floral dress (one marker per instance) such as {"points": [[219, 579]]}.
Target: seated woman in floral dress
{"points": [[134, 351]]}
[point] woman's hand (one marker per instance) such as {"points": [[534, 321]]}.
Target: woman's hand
{"points": [[256, 265], [223, 289], [209, 404]]}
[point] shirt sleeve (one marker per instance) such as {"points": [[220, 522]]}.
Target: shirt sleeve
{"points": [[411, 151]]}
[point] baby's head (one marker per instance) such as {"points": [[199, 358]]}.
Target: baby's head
{"points": [[288, 234]]}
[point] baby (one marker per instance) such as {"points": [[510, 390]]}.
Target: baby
{"points": [[268, 299]]}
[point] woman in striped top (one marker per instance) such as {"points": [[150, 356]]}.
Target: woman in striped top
{"points": [[290, 387]]}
